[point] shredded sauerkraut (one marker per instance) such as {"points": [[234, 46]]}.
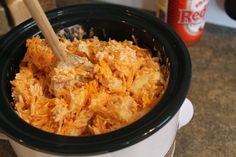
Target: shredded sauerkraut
{"points": [[114, 84]]}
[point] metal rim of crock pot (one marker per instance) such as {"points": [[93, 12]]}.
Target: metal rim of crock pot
{"points": [[56, 144]]}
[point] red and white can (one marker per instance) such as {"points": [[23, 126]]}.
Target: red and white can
{"points": [[187, 17]]}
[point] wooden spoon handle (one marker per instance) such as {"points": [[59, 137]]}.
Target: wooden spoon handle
{"points": [[42, 22]]}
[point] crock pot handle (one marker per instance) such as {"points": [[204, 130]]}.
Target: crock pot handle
{"points": [[186, 113]]}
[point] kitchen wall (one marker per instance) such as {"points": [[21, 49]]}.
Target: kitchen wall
{"points": [[216, 13]]}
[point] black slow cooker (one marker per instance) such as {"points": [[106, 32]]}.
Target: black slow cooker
{"points": [[107, 21]]}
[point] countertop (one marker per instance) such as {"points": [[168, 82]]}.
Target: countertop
{"points": [[212, 131]]}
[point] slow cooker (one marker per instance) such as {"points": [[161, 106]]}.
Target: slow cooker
{"points": [[152, 135]]}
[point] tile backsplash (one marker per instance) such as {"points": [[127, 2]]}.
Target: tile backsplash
{"points": [[217, 15]]}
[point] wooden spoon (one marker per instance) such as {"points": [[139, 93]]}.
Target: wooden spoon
{"points": [[44, 25]]}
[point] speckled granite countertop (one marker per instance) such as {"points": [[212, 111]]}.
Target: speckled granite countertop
{"points": [[212, 132]]}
